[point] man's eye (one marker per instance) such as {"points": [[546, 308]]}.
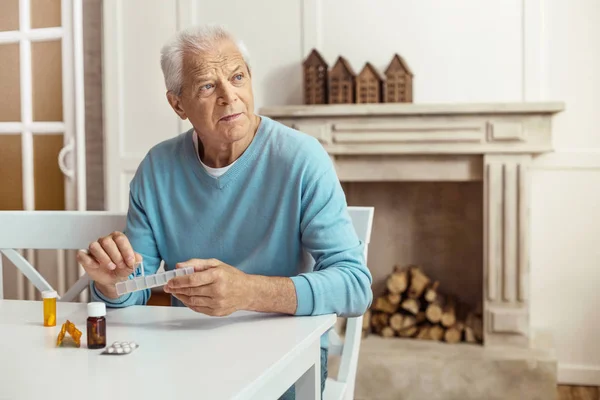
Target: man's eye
{"points": [[208, 86], [238, 77]]}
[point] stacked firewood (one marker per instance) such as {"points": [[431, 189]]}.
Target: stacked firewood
{"points": [[413, 307]]}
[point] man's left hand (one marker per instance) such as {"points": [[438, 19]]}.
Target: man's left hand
{"points": [[215, 288]]}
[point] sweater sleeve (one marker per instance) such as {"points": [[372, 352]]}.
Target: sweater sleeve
{"points": [[140, 235], [340, 282]]}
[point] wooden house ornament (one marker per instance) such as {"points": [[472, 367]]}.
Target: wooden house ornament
{"points": [[369, 85], [315, 79], [341, 82], [399, 81]]}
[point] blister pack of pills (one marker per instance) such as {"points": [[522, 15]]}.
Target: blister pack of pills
{"points": [[120, 348], [150, 281]]}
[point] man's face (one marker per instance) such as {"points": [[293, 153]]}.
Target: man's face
{"points": [[217, 93]]}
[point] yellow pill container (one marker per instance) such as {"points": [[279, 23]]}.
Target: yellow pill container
{"points": [[49, 300]]}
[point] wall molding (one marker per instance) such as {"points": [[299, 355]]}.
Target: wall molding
{"points": [[535, 38], [578, 374], [112, 63], [568, 160], [311, 26], [187, 13]]}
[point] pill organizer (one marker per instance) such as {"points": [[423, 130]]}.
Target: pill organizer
{"points": [[120, 348], [150, 281]]}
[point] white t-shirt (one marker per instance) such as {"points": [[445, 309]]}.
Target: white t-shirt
{"points": [[214, 172]]}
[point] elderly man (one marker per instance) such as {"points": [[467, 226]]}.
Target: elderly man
{"points": [[239, 197]]}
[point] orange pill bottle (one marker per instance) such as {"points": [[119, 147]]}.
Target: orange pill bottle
{"points": [[49, 301]]}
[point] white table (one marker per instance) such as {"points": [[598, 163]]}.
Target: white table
{"points": [[182, 355]]}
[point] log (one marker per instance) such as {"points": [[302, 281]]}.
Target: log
{"points": [[394, 298], [397, 281], [475, 323], [424, 332], [409, 326], [396, 321], [409, 321], [388, 332], [470, 335], [449, 312], [435, 310], [454, 333], [366, 323], [436, 332], [411, 305], [418, 282], [382, 304], [379, 321], [431, 292]]}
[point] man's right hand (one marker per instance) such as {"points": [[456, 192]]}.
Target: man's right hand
{"points": [[109, 260]]}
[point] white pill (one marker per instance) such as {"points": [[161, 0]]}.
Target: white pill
{"points": [[127, 350], [111, 350], [119, 350], [134, 345]]}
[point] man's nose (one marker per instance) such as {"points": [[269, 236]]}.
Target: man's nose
{"points": [[227, 94]]}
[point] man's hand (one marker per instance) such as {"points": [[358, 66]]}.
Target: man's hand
{"points": [[215, 288], [109, 260]]}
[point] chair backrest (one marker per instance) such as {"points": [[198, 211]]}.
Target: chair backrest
{"points": [[362, 220], [68, 230]]}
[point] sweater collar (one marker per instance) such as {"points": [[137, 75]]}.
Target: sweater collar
{"points": [[239, 165]]}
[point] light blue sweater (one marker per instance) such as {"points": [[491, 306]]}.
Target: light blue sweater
{"points": [[280, 197]]}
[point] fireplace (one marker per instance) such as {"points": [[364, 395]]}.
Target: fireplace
{"points": [[450, 187]]}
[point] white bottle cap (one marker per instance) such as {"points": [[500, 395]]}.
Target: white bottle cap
{"points": [[96, 309], [49, 294]]}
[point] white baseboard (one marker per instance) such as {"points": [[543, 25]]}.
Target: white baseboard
{"points": [[578, 374], [568, 159]]}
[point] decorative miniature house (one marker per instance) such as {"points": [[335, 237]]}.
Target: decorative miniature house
{"points": [[369, 85], [399, 80], [341, 82], [315, 79]]}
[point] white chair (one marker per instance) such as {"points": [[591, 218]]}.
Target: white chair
{"points": [[342, 386], [68, 230]]}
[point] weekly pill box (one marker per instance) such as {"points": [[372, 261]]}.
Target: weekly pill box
{"points": [[150, 281]]}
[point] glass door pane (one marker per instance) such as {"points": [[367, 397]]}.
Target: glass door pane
{"points": [[49, 182], [9, 15], [11, 177], [46, 65], [10, 100], [45, 13]]}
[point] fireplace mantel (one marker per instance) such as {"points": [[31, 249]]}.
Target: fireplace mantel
{"points": [[493, 143]]}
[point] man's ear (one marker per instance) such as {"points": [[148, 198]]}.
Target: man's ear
{"points": [[175, 102]]}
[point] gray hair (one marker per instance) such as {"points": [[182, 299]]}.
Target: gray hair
{"points": [[196, 39]]}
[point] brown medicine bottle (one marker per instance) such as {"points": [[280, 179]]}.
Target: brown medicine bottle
{"points": [[96, 325]]}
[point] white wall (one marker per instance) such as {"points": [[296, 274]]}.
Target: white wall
{"points": [[566, 193], [460, 51]]}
